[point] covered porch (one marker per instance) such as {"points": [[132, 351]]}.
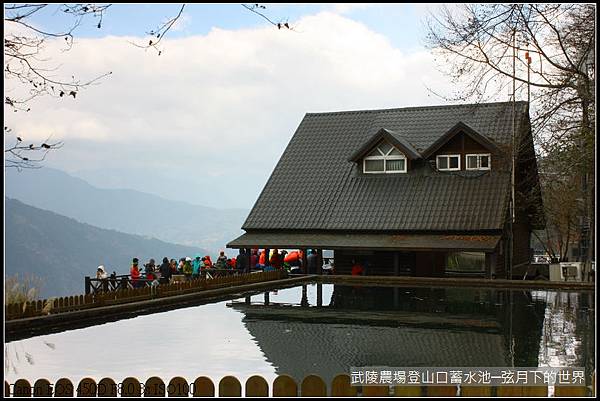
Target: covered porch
{"points": [[423, 255]]}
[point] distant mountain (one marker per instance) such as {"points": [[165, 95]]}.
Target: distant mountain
{"points": [[126, 210], [63, 251]]}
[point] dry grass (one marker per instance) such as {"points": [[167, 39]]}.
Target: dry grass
{"points": [[18, 289]]}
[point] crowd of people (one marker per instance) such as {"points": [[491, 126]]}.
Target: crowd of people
{"points": [[192, 268]]}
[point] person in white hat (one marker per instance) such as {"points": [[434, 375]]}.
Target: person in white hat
{"points": [[101, 273]]}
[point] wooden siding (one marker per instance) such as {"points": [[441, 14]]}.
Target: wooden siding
{"points": [[463, 145]]}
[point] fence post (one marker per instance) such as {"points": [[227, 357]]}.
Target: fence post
{"points": [[341, 386], [256, 386], [204, 387], [131, 388], [22, 388], [87, 388], [313, 386], [285, 386], [178, 387], [107, 388], [63, 388], [229, 386]]}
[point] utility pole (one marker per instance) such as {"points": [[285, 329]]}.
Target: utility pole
{"points": [[513, 157]]}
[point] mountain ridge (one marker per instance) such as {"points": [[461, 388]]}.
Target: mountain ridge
{"points": [[62, 251]]}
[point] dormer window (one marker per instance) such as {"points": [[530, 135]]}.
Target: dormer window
{"points": [[478, 161], [385, 158], [448, 162]]}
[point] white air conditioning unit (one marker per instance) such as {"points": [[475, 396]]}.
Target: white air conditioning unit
{"points": [[566, 271]]}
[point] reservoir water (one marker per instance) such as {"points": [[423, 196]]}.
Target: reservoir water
{"points": [[322, 329]]}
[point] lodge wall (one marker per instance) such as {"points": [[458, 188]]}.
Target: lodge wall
{"points": [[429, 263]]}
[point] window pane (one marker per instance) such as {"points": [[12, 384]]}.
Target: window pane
{"points": [[485, 162], [466, 262], [395, 152], [385, 147], [442, 163], [471, 161], [454, 162], [394, 165], [374, 165], [375, 152]]}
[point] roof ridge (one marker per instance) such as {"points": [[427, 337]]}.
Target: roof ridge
{"points": [[448, 106]]}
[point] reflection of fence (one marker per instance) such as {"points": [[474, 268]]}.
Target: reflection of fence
{"points": [[81, 302], [257, 386]]}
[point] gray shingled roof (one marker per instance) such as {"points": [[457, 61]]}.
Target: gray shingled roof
{"points": [[315, 187]]}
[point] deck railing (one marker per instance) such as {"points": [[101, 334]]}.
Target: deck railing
{"points": [[257, 386], [81, 302], [124, 282]]}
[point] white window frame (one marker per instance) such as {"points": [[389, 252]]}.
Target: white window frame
{"points": [[437, 162], [385, 157], [489, 156]]}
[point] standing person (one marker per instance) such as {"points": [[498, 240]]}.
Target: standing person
{"points": [[357, 268], [173, 266], [208, 263], [150, 269], [196, 265], [253, 259], [276, 260], [221, 261], [134, 272], [242, 261], [180, 265], [101, 273], [165, 271], [312, 260], [262, 259], [187, 267]]}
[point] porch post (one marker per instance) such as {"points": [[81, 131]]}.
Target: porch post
{"points": [[396, 263], [320, 262], [304, 265], [319, 294], [304, 300], [490, 264]]}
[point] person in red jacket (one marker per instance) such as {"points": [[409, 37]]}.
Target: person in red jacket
{"points": [[357, 269], [275, 260], [135, 273], [254, 259], [262, 260]]}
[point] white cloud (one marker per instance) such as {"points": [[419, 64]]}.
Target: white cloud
{"points": [[344, 8], [234, 97]]}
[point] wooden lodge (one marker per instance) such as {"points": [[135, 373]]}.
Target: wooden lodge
{"points": [[420, 191]]}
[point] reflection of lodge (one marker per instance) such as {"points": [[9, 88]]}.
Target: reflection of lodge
{"points": [[395, 327]]}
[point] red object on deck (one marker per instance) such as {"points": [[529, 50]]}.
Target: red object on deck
{"points": [[292, 257], [263, 258], [357, 270]]}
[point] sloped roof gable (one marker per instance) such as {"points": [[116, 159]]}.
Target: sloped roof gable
{"points": [[460, 127], [392, 137]]}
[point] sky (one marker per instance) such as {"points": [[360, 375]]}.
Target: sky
{"points": [[208, 119]]}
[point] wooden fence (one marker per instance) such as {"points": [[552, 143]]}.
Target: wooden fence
{"points": [[80, 302], [123, 282], [257, 386]]}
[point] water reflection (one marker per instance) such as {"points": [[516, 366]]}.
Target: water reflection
{"points": [[322, 329], [397, 326]]}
